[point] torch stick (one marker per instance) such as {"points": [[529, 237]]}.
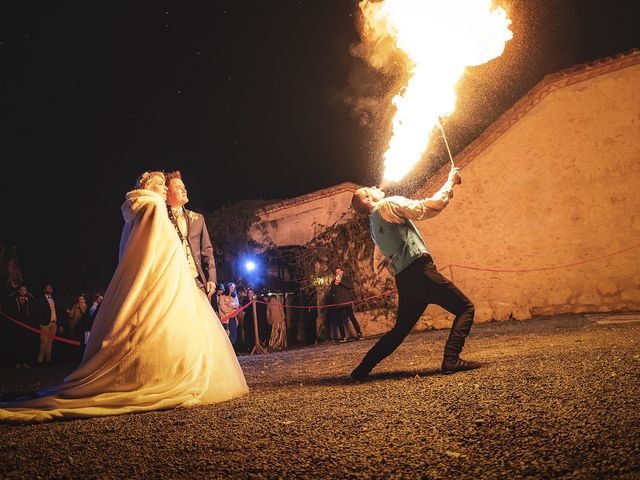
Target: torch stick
{"points": [[444, 137]]}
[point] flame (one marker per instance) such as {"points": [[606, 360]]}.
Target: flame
{"points": [[441, 38]]}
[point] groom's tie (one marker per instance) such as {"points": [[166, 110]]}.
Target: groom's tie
{"points": [[182, 222]]}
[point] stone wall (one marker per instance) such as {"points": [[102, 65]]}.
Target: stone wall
{"points": [[296, 221], [556, 195]]}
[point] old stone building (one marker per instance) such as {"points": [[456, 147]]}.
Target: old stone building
{"points": [[547, 220], [295, 221]]}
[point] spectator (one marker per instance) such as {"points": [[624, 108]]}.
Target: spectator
{"points": [[247, 321], [215, 300], [310, 318], [77, 321], [241, 341], [23, 343], [264, 329], [341, 292], [277, 320], [336, 317], [229, 303], [90, 318], [77, 314], [50, 321]]}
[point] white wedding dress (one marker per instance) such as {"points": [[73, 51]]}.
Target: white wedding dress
{"points": [[156, 343]]}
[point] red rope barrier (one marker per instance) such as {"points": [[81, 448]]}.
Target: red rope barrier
{"points": [[29, 327], [540, 269], [353, 302], [450, 267], [235, 312], [334, 304]]}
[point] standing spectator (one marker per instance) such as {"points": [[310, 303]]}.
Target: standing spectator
{"points": [[264, 329], [341, 292], [215, 302], [77, 320], [240, 342], [277, 320], [247, 321], [336, 316], [91, 316], [50, 322], [229, 303], [22, 346], [77, 314], [310, 318]]}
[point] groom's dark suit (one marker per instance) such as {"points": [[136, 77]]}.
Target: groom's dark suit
{"points": [[200, 245]]}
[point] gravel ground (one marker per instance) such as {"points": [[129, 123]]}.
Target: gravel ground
{"points": [[556, 397]]}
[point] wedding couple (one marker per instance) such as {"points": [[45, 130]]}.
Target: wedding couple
{"points": [[156, 342]]}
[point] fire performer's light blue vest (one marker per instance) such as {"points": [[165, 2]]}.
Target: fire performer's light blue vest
{"points": [[401, 244]]}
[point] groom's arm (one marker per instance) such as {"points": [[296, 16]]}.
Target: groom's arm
{"points": [[206, 253]]}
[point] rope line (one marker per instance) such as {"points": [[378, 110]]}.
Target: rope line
{"points": [[235, 312], [343, 304], [39, 332], [353, 302], [540, 269]]}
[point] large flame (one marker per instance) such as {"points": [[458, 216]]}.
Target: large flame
{"points": [[441, 38]]}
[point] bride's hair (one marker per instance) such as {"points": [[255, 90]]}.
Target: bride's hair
{"points": [[144, 179]]}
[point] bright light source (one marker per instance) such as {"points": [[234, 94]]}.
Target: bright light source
{"points": [[250, 266]]}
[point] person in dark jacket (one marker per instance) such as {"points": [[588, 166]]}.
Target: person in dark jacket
{"points": [[51, 320], [342, 292], [23, 343], [194, 236]]}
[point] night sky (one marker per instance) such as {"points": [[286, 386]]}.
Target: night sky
{"points": [[250, 100]]}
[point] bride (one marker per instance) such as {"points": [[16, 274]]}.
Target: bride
{"points": [[156, 343]]}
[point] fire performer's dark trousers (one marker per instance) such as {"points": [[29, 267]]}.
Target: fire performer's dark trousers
{"points": [[419, 285]]}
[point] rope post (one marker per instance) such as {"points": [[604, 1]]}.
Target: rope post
{"points": [[451, 272], [257, 348]]}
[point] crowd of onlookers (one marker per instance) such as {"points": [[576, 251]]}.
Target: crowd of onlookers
{"points": [[31, 320], [278, 319], [274, 320], [48, 317], [237, 316]]}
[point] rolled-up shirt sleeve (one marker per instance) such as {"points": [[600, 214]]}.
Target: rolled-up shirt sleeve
{"points": [[397, 209]]}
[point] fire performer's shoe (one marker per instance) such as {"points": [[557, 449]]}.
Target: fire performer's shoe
{"points": [[360, 373], [458, 365]]}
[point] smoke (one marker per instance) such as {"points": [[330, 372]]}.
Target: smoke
{"points": [[375, 76]]}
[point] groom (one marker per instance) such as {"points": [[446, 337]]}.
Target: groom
{"points": [[193, 234]]}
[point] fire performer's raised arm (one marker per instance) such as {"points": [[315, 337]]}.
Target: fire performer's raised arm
{"points": [[397, 209]]}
